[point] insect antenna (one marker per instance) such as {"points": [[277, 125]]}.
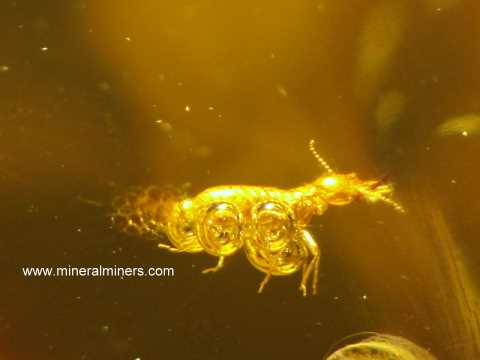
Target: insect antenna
{"points": [[320, 160], [392, 203], [374, 191]]}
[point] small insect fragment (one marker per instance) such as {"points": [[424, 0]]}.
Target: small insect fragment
{"points": [[267, 223], [381, 347]]}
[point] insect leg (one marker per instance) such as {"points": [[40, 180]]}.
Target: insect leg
{"points": [[303, 287], [264, 282], [217, 267], [313, 265], [169, 248]]}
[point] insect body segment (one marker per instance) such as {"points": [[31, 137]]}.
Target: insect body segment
{"points": [[278, 245], [282, 247], [144, 212], [180, 227], [267, 223]]}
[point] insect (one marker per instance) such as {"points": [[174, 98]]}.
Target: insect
{"points": [[267, 223]]}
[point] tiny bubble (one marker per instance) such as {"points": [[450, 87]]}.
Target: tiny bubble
{"points": [[203, 151], [104, 86], [32, 208], [105, 329], [282, 91], [164, 125], [81, 5], [4, 68], [187, 108], [44, 48]]}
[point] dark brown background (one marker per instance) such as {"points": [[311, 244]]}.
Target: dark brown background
{"points": [[80, 121]]}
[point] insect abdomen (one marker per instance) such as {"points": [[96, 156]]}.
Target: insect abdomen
{"points": [[145, 211]]}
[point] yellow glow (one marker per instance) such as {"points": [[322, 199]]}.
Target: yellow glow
{"points": [[222, 193], [187, 204], [270, 206], [329, 181], [223, 206]]}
